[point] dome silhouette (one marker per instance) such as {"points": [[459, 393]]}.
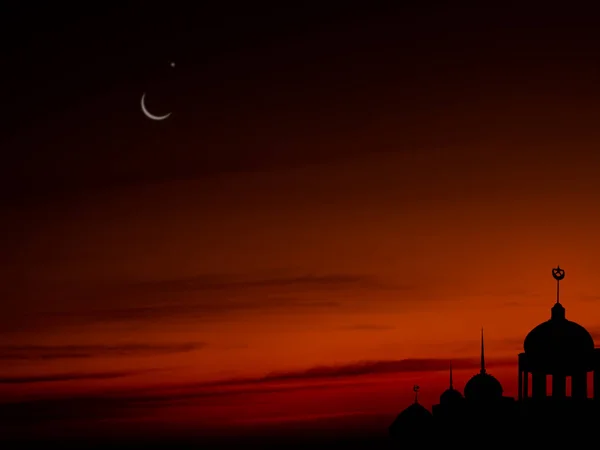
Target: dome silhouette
{"points": [[451, 395], [414, 418], [483, 386], [416, 411], [559, 342]]}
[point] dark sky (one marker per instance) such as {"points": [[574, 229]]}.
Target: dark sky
{"points": [[78, 72], [334, 185]]}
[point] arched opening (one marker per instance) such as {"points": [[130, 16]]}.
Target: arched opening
{"points": [[549, 385], [568, 387]]}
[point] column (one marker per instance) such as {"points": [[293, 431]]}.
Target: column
{"points": [[538, 385], [597, 383], [559, 386], [521, 364], [579, 385]]}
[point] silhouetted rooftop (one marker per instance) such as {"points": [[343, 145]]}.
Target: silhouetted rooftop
{"points": [[450, 395], [414, 417], [554, 350], [483, 386], [557, 340]]}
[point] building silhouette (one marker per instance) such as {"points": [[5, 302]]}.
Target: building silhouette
{"points": [[555, 352]]}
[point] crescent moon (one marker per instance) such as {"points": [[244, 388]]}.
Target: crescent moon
{"points": [[147, 113]]}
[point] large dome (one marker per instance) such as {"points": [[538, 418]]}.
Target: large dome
{"points": [[482, 387], [559, 342]]}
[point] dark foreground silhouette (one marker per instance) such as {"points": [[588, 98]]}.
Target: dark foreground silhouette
{"points": [[555, 351]]}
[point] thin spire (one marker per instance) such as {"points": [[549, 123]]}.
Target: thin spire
{"points": [[451, 384], [482, 353], [416, 389]]}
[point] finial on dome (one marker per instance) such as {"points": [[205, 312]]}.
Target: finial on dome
{"points": [[416, 389], [482, 354], [558, 275], [451, 384]]}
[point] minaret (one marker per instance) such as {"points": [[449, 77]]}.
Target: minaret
{"points": [[482, 354]]}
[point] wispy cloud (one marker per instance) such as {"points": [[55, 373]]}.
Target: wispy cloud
{"points": [[142, 400], [214, 283], [378, 367], [513, 304], [205, 297], [35, 412], [202, 309], [39, 352], [330, 374], [220, 282], [368, 327], [65, 377]]}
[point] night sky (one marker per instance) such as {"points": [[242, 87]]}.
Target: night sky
{"points": [[340, 200]]}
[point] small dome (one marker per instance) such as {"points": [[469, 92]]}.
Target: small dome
{"points": [[483, 386], [415, 417], [558, 341], [451, 395]]}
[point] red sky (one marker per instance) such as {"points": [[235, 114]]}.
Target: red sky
{"points": [[352, 217]]}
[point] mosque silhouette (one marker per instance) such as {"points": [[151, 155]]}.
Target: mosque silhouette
{"points": [[555, 351]]}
